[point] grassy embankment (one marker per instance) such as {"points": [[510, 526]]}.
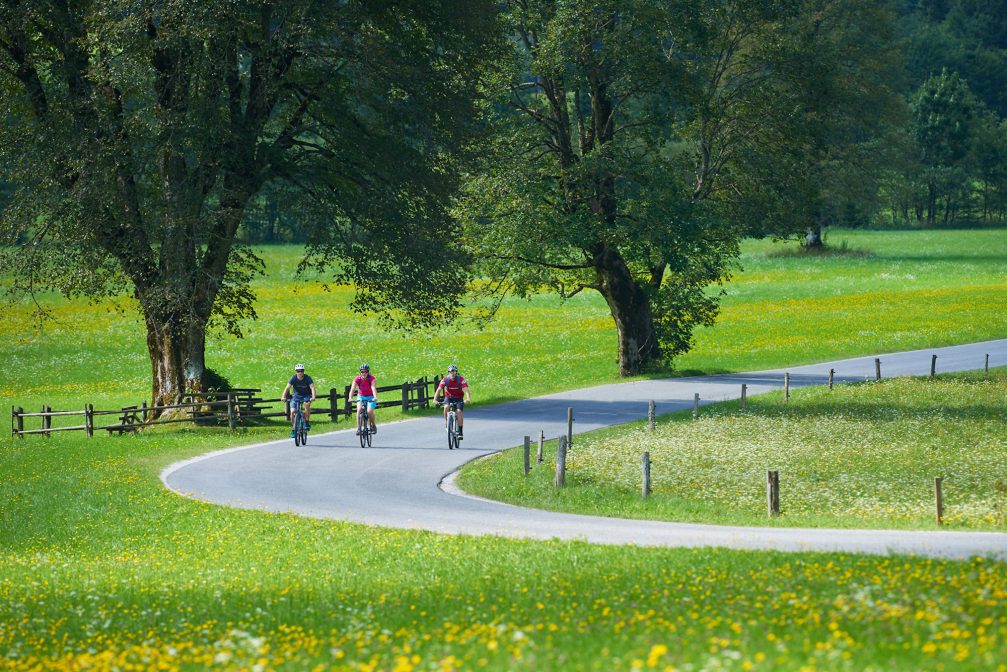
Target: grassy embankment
{"points": [[101, 568]]}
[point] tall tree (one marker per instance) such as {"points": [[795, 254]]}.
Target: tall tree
{"points": [[137, 133], [945, 118], [637, 140]]}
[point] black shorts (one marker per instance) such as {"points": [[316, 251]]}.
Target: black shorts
{"points": [[459, 403]]}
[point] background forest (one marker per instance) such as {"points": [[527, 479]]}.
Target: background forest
{"points": [[944, 163]]}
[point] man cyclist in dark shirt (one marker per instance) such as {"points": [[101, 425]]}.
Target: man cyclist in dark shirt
{"points": [[304, 392], [456, 391]]}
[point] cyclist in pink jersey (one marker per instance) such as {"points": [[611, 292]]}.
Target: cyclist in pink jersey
{"points": [[456, 391], [366, 388]]}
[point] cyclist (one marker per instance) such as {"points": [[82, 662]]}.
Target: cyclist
{"points": [[303, 388], [365, 385], [456, 391]]}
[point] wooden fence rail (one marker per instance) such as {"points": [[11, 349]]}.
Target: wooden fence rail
{"points": [[238, 405]]}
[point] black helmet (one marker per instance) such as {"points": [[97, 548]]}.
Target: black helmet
{"points": [[452, 368], [364, 367]]}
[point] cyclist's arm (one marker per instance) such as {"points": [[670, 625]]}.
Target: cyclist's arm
{"points": [[312, 392], [353, 389], [284, 395], [467, 397], [437, 393], [374, 389]]}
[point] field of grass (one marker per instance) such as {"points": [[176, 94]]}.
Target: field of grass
{"points": [[101, 568], [910, 290], [862, 455]]}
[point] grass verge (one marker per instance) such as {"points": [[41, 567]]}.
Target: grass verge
{"points": [[862, 455]]}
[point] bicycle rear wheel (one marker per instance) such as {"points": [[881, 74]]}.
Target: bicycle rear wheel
{"points": [[369, 436], [304, 433]]}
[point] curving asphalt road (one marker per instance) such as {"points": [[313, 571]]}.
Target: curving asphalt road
{"points": [[407, 479]]}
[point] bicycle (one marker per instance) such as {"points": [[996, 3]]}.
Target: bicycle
{"points": [[451, 424], [364, 426], [300, 430]]}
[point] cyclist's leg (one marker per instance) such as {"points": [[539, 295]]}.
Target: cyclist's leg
{"points": [[360, 405], [306, 407], [370, 414]]}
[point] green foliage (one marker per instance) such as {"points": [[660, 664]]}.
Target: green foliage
{"points": [[635, 142], [140, 137]]}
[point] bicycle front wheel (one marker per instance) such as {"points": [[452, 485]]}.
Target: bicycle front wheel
{"points": [[298, 431], [363, 430], [452, 431]]}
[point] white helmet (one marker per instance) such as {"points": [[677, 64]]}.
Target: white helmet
{"points": [[299, 367]]}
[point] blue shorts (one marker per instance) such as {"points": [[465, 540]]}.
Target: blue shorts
{"points": [[368, 401], [300, 399]]}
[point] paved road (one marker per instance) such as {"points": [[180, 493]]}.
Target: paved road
{"points": [[406, 479]]}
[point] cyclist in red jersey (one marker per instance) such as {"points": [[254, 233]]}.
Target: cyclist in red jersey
{"points": [[456, 390], [365, 385]]}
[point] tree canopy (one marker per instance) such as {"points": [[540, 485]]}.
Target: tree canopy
{"points": [[137, 134], [636, 141]]}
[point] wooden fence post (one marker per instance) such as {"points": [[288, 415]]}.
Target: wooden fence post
{"points": [[16, 421], [47, 420], [773, 493], [347, 408], [541, 442], [933, 366], [230, 411], [987, 367], [569, 427], [646, 474], [143, 412], [560, 462], [939, 500], [695, 406], [333, 415], [527, 455], [89, 420], [786, 386], [744, 395], [832, 373], [877, 369], [651, 415], [405, 396]]}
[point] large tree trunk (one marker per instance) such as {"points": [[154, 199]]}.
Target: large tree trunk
{"points": [[630, 308], [177, 362]]}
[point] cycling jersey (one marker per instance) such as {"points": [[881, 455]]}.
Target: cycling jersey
{"points": [[453, 388], [363, 383], [301, 387]]}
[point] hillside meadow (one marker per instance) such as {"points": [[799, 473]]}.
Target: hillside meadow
{"points": [[101, 568]]}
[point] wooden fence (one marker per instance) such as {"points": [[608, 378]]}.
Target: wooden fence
{"points": [[230, 407]]}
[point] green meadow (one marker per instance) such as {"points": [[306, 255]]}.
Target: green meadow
{"points": [[888, 291], [103, 569], [862, 455]]}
